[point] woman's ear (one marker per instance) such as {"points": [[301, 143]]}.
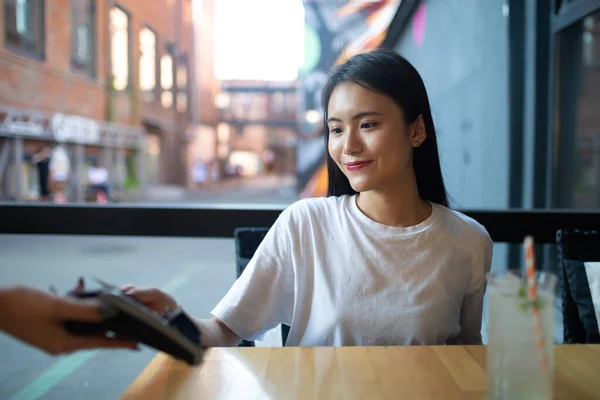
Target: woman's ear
{"points": [[418, 133]]}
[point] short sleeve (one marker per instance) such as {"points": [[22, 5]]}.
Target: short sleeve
{"points": [[263, 296]]}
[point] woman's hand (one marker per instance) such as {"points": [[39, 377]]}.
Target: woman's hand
{"points": [[155, 299], [162, 303], [214, 332]]}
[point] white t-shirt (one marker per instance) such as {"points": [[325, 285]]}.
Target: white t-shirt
{"points": [[339, 278]]}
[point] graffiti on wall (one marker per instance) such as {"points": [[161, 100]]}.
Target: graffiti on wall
{"points": [[334, 31]]}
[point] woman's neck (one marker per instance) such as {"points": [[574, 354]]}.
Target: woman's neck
{"points": [[399, 205]]}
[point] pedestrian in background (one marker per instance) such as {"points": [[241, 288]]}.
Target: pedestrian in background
{"points": [[41, 159], [60, 170]]}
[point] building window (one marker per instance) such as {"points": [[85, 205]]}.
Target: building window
{"points": [[182, 83], [166, 80], [83, 29], [148, 63], [24, 26], [577, 170], [119, 44]]}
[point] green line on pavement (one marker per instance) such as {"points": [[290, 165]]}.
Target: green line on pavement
{"points": [[65, 366], [55, 374]]}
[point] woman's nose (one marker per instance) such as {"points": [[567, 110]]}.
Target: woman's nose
{"points": [[352, 142]]}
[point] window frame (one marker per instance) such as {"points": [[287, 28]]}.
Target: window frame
{"points": [[129, 47], [39, 43], [170, 51], [565, 109], [220, 221], [151, 96], [568, 12], [183, 56], [92, 69]]}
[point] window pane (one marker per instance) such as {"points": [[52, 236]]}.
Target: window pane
{"points": [[166, 72], [166, 80], [83, 25], [578, 167], [119, 41], [147, 60], [24, 25], [182, 72], [83, 39]]}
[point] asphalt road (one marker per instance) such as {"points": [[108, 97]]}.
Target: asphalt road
{"points": [[197, 272]]}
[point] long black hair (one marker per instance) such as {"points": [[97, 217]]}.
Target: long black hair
{"points": [[388, 73]]}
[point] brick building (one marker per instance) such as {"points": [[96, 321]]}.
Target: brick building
{"points": [[119, 74]]}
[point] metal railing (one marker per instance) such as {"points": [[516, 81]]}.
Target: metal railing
{"points": [[219, 221]]}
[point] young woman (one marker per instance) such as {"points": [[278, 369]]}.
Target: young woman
{"points": [[382, 260]]}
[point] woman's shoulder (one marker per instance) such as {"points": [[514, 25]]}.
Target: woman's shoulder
{"points": [[307, 215], [315, 206], [466, 227]]}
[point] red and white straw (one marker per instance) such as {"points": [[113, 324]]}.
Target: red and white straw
{"points": [[532, 294]]}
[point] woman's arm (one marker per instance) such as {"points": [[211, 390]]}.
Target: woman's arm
{"points": [[471, 315], [214, 332], [259, 300]]}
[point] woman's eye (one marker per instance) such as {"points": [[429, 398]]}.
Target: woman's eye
{"points": [[368, 125], [335, 131]]}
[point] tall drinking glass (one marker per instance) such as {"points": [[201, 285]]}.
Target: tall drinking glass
{"points": [[520, 357]]}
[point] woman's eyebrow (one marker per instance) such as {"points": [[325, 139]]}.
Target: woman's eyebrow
{"points": [[356, 116]]}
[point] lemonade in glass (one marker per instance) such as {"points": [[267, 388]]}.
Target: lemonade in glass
{"points": [[520, 358]]}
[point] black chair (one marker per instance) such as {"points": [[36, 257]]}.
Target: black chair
{"points": [[247, 241], [575, 247]]}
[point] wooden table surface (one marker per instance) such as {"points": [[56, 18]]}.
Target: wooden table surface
{"points": [[414, 372]]}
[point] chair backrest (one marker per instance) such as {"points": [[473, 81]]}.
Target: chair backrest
{"points": [[247, 241], [575, 249]]}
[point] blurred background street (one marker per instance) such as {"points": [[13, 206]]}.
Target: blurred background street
{"points": [[265, 189]]}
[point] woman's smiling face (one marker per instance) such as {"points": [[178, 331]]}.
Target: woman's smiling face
{"points": [[369, 139]]}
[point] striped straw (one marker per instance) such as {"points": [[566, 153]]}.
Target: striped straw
{"points": [[532, 294]]}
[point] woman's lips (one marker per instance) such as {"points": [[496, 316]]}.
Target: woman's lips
{"points": [[355, 166]]}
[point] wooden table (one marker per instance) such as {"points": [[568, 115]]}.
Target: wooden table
{"points": [[415, 372]]}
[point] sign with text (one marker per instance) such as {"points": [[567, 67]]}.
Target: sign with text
{"points": [[75, 129], [25, 128]]}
